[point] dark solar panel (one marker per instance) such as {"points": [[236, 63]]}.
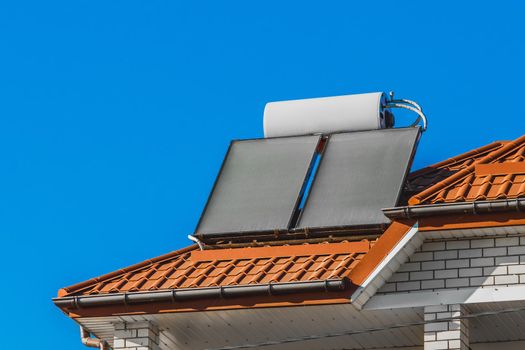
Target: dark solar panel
{"points": [[259, 186], [360, 173]]}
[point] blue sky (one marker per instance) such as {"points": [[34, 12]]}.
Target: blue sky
{"points": [[115, 116]]}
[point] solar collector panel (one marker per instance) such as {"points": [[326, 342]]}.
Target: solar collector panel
{"points": [[259, 186], [360, 173]]}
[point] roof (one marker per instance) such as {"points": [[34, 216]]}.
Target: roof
{"points": [[192, 268], [301, 274], [422, 179], [495, 171]]}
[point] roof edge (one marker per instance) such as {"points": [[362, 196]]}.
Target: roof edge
{"points": [[380, 250], [190, 294], [62, 292]]}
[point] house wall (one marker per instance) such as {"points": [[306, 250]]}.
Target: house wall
{"points": [[135, 336], [461, 263]]}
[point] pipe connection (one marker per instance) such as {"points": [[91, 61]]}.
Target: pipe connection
{"points": [[90, 342], [411, 106]]}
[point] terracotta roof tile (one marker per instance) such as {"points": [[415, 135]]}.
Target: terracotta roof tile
{"points": [[225, 267], [496, 171], [426, 177]]}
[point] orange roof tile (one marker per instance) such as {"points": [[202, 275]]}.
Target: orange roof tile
{"points": [[424, 178], [191, 268], [492, 172]]}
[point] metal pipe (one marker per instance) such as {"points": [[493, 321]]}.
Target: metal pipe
{"points": [[90, 342], [196, 240], [410, 102], [179, 295], [413, 109], [500, 205]]}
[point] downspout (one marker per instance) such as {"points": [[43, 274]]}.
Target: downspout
{"points": [[92, 342]]}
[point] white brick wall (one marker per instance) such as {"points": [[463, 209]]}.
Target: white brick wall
{"points": [[455, 264], [444, 329], [136, 336]]}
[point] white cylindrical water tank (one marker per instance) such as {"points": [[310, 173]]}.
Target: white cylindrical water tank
{"points": [[325, 115]]}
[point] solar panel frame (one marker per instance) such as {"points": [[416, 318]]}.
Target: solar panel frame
{"points": [[311, 142], [321, 213]]}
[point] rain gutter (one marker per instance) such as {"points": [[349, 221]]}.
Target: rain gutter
{"points": [[476, 207], [190, 294]]}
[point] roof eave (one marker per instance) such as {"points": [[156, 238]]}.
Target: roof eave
{"points": [[81, 303]]}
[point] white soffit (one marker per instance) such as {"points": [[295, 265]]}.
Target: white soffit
{"points": [[213, 329]]}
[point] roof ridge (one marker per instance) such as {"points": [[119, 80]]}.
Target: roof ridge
{"points": [[271, 252], [457, 158], [449, 181], [83, 285]]}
